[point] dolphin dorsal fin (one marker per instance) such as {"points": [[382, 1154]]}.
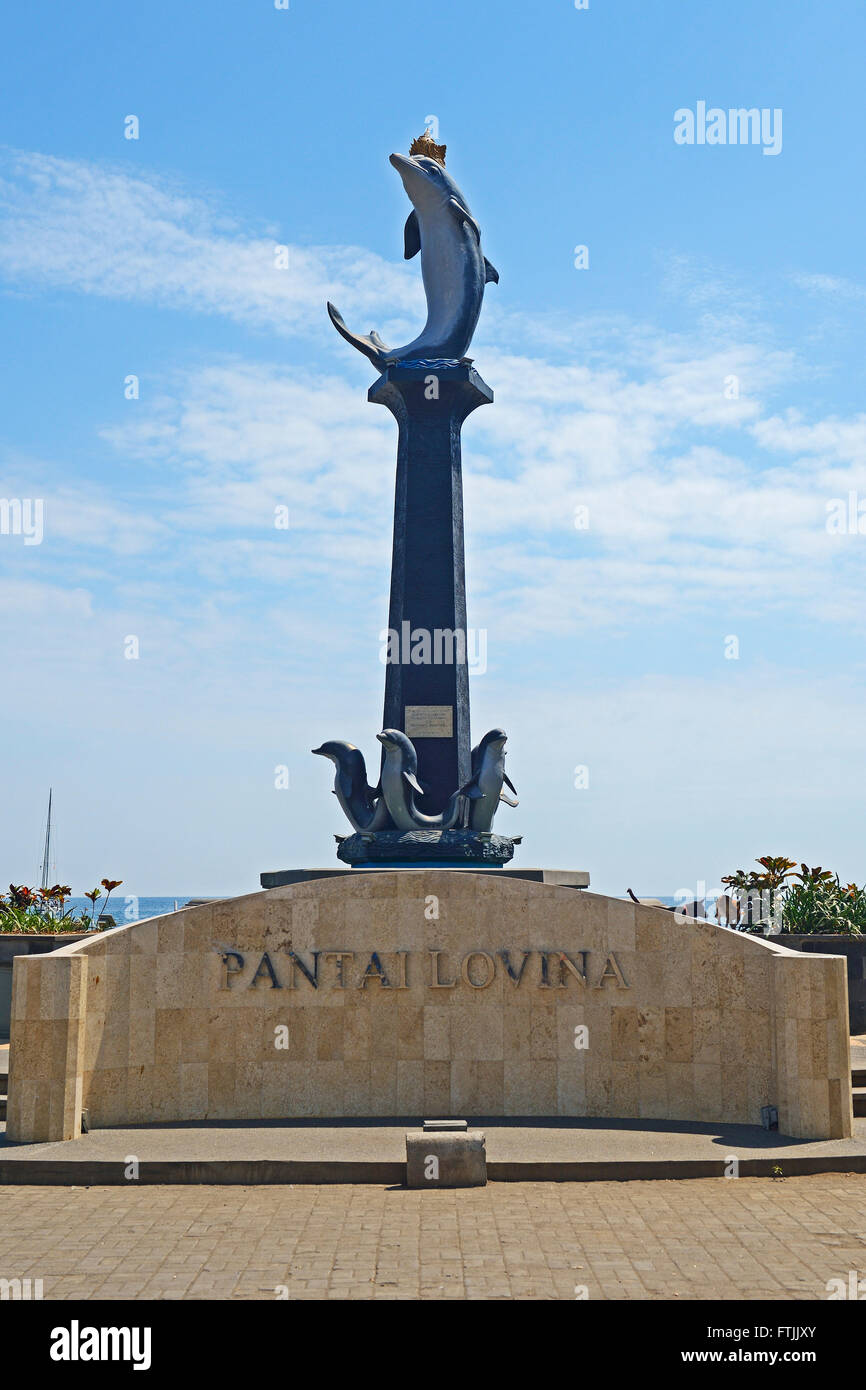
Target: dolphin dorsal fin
{"points": [[411, 236], [490, 273]]}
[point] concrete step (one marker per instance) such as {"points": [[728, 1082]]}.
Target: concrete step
{"points": [[77, 1172]]}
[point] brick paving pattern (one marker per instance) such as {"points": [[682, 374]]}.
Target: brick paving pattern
{"points": [[712, 1238]]}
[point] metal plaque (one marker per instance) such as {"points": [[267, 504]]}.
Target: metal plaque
{"points": [[429, 721]]}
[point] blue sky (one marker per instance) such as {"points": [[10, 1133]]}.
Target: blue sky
{"points": [[606, 646]]}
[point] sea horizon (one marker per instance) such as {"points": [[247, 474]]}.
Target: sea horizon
{"points": [[137, 908]]}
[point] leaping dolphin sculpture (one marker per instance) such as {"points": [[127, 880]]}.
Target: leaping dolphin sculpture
{"points": [[484, 788], [400, 783], [453, 268], [363, 805]]}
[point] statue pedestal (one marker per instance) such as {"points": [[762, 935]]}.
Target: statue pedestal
{"points": [[427, 675], [427, 849]]}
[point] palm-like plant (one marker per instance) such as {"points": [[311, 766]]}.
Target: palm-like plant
{"points": [[815, 901], [776, 870], [817, 875], [40, 910]]}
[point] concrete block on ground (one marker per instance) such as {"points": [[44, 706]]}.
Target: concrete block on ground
{"points": [[446, 1158]]}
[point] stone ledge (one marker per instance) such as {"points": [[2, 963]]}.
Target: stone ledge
{"points": [[257, 1172], [558, 878]]}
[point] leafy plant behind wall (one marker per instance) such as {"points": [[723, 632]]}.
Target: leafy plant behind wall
{"points": [[815, 901], [43, 910]]}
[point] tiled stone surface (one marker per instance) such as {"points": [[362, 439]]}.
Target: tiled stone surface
{"points": [[749, 1238], [436, 991]]}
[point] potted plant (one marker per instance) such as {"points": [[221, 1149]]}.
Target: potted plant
{"points": [[36, 920], [809, 909]]}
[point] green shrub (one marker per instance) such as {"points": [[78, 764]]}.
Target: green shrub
{"points": [[824, 907], [814, 902], [43, 910]]}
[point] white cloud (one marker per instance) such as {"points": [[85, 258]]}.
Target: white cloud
{"points": [[31, 600], [109, 233], [836, 286], [676, 523], [831, 438]]}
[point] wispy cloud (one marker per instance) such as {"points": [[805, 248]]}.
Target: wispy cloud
{"points": [[836, 286], [673, 522], [74, 225]]}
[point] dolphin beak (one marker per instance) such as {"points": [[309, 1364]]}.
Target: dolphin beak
{"points": [[413, 176], [315, 750], [381, 738]]}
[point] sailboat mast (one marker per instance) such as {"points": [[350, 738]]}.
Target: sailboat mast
{"points": [[46, 853]]}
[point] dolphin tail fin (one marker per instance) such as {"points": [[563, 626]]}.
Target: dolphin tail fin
{"points": [[371, 346]]}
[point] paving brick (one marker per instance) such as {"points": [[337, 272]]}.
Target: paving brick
{"points": [[703, 1239]]}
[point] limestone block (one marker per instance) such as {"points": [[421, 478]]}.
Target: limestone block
{"points": [[439, 1159]]}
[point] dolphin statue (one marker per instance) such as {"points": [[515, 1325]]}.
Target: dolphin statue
{"points": [[351, 788], [484, 788], [400, 783], [453, 268]]}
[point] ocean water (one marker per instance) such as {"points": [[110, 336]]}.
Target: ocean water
{"points": [[129, 909], [132, 909]]}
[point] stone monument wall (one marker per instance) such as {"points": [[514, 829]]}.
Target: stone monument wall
{"points": [[426, 993]]}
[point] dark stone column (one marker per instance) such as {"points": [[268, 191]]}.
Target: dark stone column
{"points": [[428, 584]]}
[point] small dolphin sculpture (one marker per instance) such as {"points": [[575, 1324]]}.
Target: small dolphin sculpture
{"points": [[400, 783], [484, 789], [364, 805], [453, 267]]}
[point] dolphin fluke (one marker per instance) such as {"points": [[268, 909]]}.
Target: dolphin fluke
{"points": [[371, 346]]}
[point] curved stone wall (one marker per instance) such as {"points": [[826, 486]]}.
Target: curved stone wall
{"points": [[426, 992]]}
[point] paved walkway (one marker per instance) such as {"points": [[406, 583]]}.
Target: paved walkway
{"points": [[714, 1238]]}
